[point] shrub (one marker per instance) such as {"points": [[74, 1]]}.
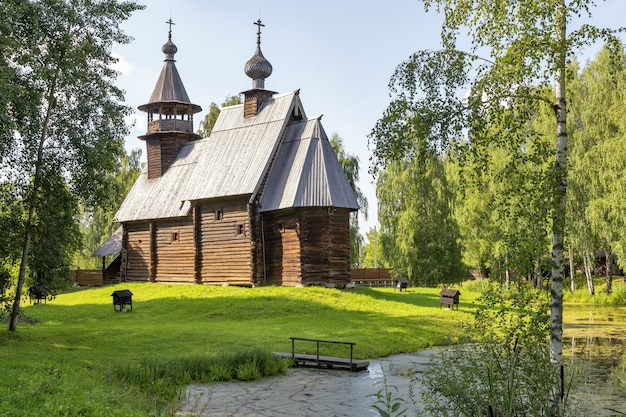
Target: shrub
{"points": [[506, 371]]}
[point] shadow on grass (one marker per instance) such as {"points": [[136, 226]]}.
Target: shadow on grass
{"points": [[424, 297], [175, 326]]}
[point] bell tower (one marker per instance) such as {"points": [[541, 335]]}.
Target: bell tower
{"points": [[170, 115]]}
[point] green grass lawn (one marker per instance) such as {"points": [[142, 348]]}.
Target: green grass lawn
{"points": [[70, 350]]}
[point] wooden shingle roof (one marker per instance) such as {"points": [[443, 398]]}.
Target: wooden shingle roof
{"points": [[235, 159], [306, 172]]}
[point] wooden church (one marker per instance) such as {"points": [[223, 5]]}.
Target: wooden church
{"points": [[262, 201]]}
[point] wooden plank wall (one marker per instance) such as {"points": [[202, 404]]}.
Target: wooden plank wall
{"points": [[372, 277], [153, 146], [138, 255], [226, 247]]}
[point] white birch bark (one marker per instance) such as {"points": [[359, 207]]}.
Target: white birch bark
{"points": [[558, 217]]}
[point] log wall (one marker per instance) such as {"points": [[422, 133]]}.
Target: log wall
{"points": [[87, 277], [282, 248], [303, 246], [307, 246], [138, 258], [325, 245], [225, 242], [175, 251]]}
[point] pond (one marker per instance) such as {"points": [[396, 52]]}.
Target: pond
{"points": [[594, 344]]}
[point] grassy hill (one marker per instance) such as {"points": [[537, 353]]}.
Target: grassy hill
{"points": [[75, 355]]}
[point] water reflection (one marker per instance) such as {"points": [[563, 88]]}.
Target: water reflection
{"points": [[595, 344]]}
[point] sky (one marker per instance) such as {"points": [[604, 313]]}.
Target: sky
{"points": [[340, 54]]}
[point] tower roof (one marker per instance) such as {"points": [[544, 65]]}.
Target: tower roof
{"points": [[169, 87]]}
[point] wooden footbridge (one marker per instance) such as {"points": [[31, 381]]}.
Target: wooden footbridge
{"points": [[321, 361]]}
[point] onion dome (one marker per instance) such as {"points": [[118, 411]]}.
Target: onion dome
{"points": [[169, 49], [258, 68]]}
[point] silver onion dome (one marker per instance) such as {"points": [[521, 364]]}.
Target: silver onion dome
{"points": [[169, 49], [258, 68]]}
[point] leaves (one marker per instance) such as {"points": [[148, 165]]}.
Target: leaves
{"points": [[350, 166], [64, 126]]}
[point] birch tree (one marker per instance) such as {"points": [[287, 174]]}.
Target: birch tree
{"points": [[596, 217], [68, 112], [450, 94]]}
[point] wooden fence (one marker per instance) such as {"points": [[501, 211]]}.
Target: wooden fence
{"points": [[372, 277], [87, 277]]}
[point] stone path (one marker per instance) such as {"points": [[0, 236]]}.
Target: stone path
{"points": [[306, 392]]}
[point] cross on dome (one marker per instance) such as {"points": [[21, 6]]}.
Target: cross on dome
{"points": [[258, 33], [169, 49], [258, 68], [170, 22]]}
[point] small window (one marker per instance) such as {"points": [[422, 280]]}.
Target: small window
{"points": [[219, 215], [175, 236], [280, 227], [240, 229]]}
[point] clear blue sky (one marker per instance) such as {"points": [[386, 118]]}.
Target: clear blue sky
{"points": [[339, 53]]}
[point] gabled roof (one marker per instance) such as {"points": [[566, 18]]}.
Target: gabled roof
{"points": [[307, 172], [230, 162], [234, 160]]}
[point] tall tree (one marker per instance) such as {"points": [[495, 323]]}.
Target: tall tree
{"points": [[350, 166], [525, 44], [371, 256], [71, 123], [420, 236], [599, 153], [98, 221], [206, 125]]}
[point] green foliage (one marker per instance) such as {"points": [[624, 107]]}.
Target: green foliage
{"points": [[372, 255], [96, 224], [448, 97], [598, 155], [162, 380], [503, 201], [617, 297], [350, 166], [64, 121], [420, 238], [51, 388], [507, 371], [388, 403], [56, 236]]}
